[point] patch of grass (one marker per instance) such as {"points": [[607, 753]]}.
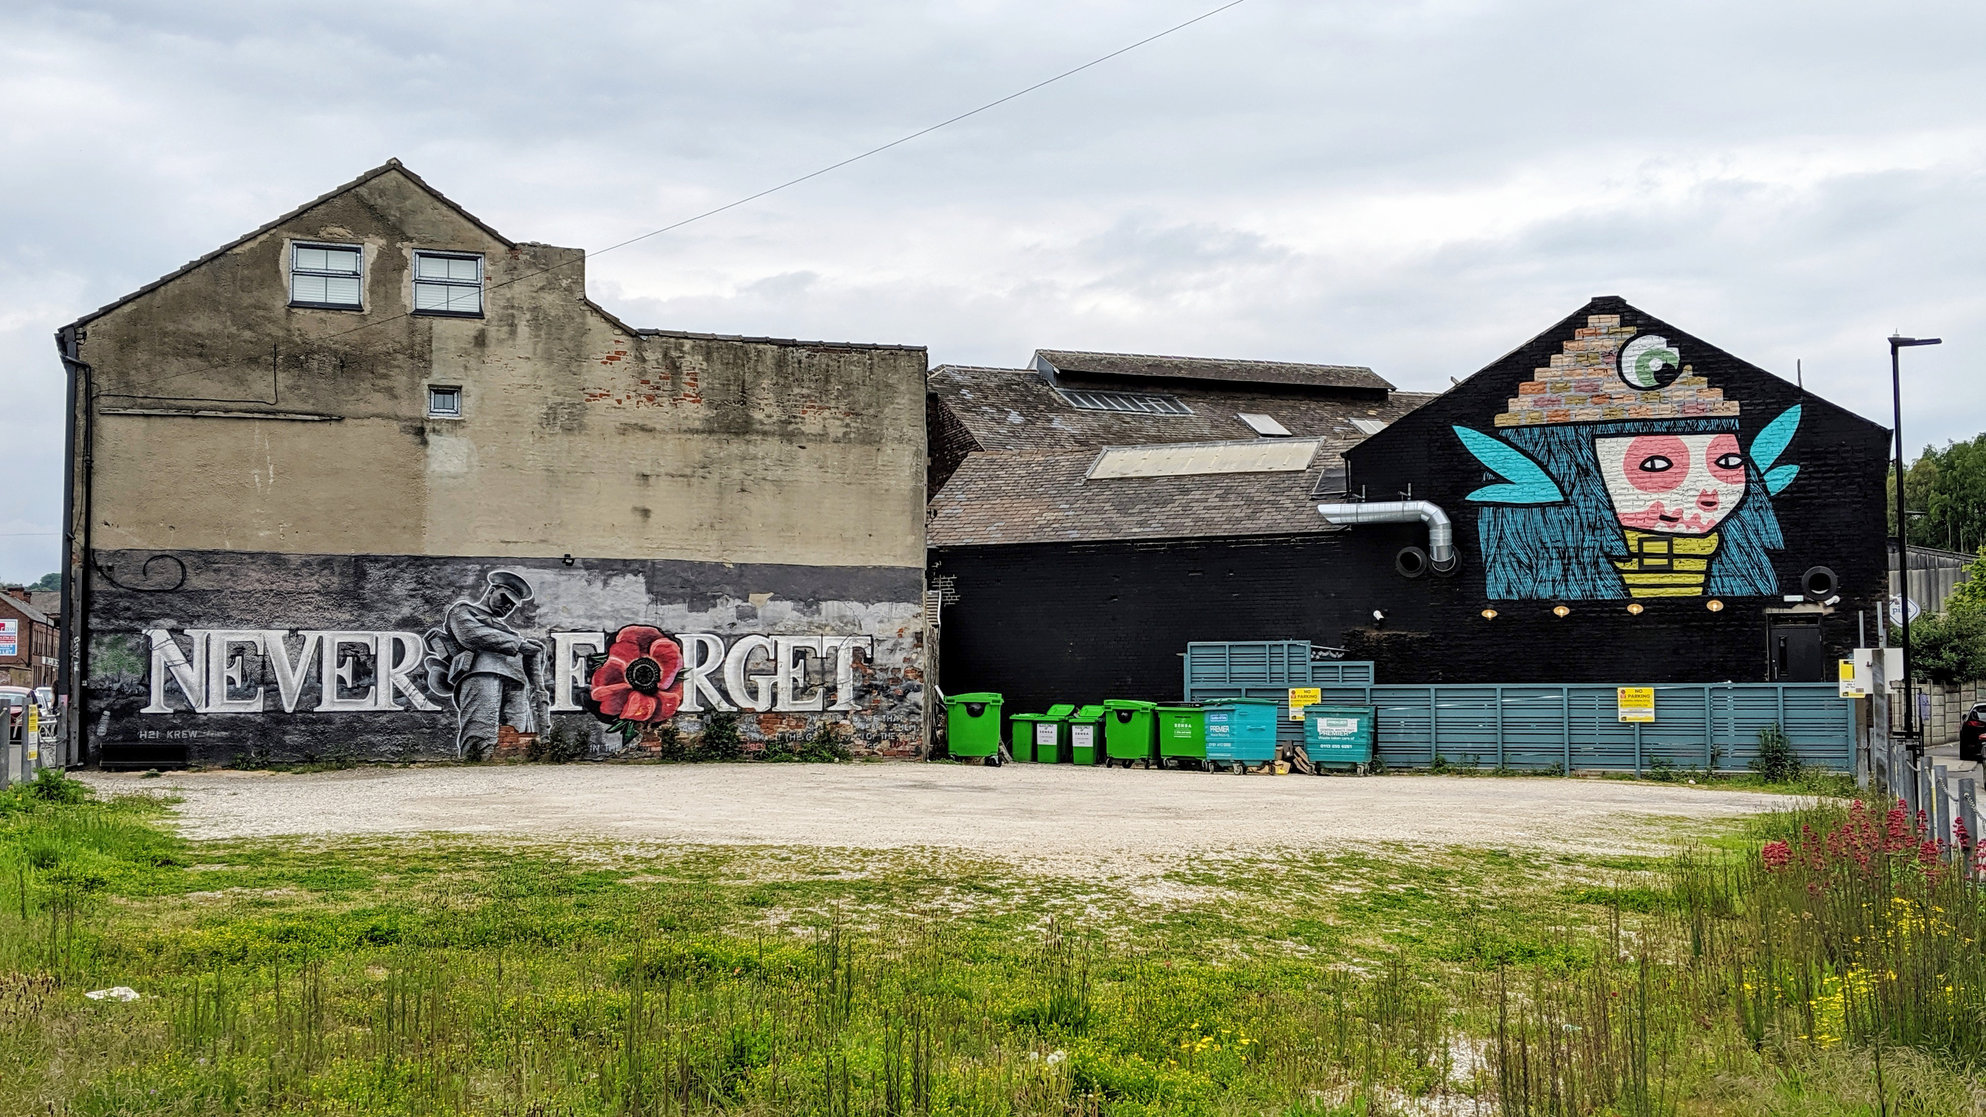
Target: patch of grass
{"points": [[450, 975]]}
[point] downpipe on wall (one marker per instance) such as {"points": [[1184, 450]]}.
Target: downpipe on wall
{"points": [[1411, 562]]}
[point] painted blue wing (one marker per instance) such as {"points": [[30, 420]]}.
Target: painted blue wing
{"points": [[1772, 441], [1781, 477], [1525, 481]]}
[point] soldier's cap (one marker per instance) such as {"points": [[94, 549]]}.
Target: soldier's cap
{"points": [[512, 584]]}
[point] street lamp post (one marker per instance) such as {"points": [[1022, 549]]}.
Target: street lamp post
{"points": [[1896, 343]]}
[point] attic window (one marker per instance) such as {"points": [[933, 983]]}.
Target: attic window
{"points": [[325, 276], [1136, 403], [1264, 425], [1369, 427], [448, 283]]}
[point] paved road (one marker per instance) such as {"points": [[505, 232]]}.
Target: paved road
{"points": [[1018, 809]]}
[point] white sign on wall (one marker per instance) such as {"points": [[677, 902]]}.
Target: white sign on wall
{"points": [[10, 637]]}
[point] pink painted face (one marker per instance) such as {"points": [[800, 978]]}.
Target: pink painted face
{"points": [[1680, 484]]}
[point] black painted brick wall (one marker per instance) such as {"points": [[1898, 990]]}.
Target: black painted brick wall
{"points": [[1083, 622]]}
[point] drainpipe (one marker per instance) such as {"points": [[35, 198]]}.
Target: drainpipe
{"points": [[1412, 562], [77, 453]]}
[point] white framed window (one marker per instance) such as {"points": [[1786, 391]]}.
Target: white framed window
{"points": [[1369, 426], [448, 283], [444, 402], [1143, 403], [326, 275]]}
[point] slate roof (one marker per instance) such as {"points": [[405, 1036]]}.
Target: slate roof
{"points": [[1145, 366], [1011, 409], [1024, 480], [1042, 497], [26, 610]]}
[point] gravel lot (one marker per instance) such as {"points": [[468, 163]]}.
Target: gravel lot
{"points": [[1019, 810]]}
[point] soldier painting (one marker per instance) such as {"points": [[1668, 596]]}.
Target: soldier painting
{"points": [[494, 675]]}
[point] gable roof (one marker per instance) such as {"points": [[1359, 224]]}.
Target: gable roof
{"points": [[25, 609], [1143, 366], [1014, 409], [388, 167]]}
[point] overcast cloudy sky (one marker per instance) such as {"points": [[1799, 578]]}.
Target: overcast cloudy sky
{"points": [[1415, 186]]}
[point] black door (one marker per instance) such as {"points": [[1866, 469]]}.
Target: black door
{"points": [[1795, 651]]}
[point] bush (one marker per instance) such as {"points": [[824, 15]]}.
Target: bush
{"points": [[1776, 761], [1948, 647], [557, 746], [720, 739]]}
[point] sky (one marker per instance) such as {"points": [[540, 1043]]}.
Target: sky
{"points": [[1414, 186]]}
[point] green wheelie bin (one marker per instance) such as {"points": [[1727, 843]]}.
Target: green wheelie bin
{"points": [[972, 726], [1130, 732], [1021, 748], [1086, 736], [1182, 735], [1051, 734]]}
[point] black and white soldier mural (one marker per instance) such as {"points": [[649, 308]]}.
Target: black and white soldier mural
{"points": [[493, 674], [429, 657]]}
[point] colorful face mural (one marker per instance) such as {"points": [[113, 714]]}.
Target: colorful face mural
{"points": [[1619, 472]]}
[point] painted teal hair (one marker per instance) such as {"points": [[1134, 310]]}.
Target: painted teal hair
{"points": [[1564, 550]]}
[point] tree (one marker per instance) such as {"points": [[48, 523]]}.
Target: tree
{"points": [[1969, 596], [48, 582], [1945, 491]]}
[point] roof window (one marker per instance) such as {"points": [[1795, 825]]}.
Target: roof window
{"points": [[1135, 403], [1369, 427], [1264, 425], [1191, 459]]}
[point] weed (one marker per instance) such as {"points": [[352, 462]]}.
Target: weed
{"points": [[1776, 761]]}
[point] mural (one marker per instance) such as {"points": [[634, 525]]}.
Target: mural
{"points": [[1618, 472], [493, 675], [519, 653]]}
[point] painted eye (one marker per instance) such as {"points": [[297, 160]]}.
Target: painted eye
{"points": [[1656, 463], [1729, 461]]}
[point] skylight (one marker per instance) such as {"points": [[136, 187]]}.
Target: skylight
{"points": [[1369, 427], [1137, 403], [1187, 459], [1264, 425]]}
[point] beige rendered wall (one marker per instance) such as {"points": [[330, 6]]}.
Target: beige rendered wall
{"points": [[579, 436]]}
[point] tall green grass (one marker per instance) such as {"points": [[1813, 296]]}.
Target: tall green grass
{"points": [[1838, 973]]}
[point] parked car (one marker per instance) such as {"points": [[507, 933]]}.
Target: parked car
{"points": [[1969, 733], [13, 699]]}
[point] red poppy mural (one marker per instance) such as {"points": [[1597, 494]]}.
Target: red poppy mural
{"points": [[638, 682]]}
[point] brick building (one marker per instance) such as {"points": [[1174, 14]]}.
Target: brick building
{"points": [[1614, 501], [28, 641], [377, 480]]}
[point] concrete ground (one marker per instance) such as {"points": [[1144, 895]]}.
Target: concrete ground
{"points": [[1030, 812]]}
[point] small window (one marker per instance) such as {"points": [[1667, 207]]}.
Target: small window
{"points": [[448, 284], [325, 275], [1369, 427], [445, 403], [1264, 425]]}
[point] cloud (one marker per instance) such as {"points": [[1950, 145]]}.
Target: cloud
{"points": [[1416, 186]]}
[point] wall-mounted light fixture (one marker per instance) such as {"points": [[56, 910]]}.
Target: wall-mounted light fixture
{"points": [[1489, 614], [1714, 605], [1379, 616], [1561, 611], [566, 560], [1634, 608]]}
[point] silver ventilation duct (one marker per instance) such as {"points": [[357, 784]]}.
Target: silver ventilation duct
{"points": [[1440, 532]]}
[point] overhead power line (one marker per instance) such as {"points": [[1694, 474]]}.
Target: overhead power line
{"points": [[791, 182]]}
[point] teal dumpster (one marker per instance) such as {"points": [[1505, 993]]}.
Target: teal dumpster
{"points": [[1241, 731], [1338, 735], [972, 725], [1130, 732], [1085, 729], [1182, 734]]}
